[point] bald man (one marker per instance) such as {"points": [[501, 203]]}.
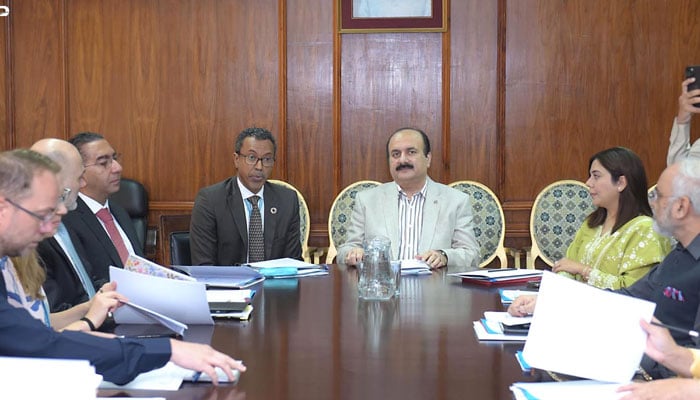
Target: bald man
{"points": [[68, 281]]}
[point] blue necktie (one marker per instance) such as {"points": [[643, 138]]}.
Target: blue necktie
{"points": [[77, 263]]}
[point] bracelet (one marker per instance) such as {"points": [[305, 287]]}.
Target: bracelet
{"points": [[90, 324], [586, 273]]}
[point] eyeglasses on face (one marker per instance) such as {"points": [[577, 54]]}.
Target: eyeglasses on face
{"points": [[654, 195], [43, 219], [252, 159], [64, 196], [105, 162]]}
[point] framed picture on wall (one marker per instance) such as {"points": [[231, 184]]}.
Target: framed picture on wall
{"points": [[367, 16]]}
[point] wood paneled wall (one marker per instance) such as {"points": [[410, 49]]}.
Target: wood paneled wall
{"points": [[516, 94]]}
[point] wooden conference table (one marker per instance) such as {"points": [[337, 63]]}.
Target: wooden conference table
{"points": [[311, 338]]}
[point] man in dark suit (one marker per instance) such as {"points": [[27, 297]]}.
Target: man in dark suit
{"points": [[67, 280], [245, 218], [105, 230], [28, 193]]}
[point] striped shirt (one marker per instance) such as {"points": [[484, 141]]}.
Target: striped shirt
{"points": [[410, 222]]}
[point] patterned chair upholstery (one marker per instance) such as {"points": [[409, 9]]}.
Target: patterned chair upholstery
{"points": [[338, 218], [489, 222], [304, 220], [558, 212]]}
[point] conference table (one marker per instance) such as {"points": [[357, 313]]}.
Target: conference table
{"points": [[312, 338]]}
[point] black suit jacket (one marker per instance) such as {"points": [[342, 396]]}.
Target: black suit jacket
{"points": [[219, 232], [98, 248], [62, 286]]}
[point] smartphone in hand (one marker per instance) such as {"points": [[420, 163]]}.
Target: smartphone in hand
{"points": [[693, 71]]}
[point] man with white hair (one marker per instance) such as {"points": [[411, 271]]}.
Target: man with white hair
{"points": [[67, 281]]}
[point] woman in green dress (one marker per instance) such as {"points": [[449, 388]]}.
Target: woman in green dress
{"points": [[617, 244]]}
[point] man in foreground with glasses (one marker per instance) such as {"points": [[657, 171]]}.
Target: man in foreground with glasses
{"points": [[28, 202], [244, 218], [103, 228], [423, 219], [674, 284]]}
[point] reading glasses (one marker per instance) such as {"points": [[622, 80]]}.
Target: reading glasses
{"points": [[43, 219], [252, 159], [105, 161]]}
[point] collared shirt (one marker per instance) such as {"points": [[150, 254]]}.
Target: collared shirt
{"points": [[410, 222], [245, 193], [95, 207]]}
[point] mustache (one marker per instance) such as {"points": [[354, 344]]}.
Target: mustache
{"points": [[404, 166]]}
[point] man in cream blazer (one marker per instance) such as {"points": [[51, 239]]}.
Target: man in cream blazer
{"points": [[423, 219]]}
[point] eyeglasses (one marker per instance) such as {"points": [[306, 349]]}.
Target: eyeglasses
{"points": [[655, 195], [105, 161], [43, 219], [64, 196], [252, 159]]}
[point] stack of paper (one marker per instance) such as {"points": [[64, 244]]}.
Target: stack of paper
{"points": [[230, 303], [289, 268], [239, 277], [506, 276], [41, 378], [507, 295], [414, 267], [491, 326]]}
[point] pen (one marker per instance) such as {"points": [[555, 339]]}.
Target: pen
{"points": [[676, 329], [195, 376]]}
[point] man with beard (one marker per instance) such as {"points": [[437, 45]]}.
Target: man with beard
{"points": [[67, 281], [245, 218], [674, 284], [424, 220], [29, 199]]}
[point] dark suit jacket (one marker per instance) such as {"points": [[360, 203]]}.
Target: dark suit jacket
{"points": [[219, 232], [62, 286], [94, 241], [117, 360]]}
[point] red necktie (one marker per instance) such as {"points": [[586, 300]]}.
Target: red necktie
{"points": [[106, 217]]}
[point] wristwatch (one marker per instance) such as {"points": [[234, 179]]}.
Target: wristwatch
{"points": [[444, 255]]}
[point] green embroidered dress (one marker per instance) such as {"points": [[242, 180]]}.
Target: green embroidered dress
{"points": [[619, 259]]}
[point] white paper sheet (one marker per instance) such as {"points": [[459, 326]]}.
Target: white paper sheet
{"points": [[283, 262], [587, 332], [571, 390], [183, 301]]}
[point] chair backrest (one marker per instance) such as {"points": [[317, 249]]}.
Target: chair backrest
{"points": [[489, 222], [341, 210], [304, 219], [132, 196], [175, 225], [180, 248], [557, 214]]}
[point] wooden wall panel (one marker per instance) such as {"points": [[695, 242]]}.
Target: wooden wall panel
{"points": [[172, 83], [531, 89], [310, 108], [473, 134], [586, 75], [38, 70], [389, 81]]}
